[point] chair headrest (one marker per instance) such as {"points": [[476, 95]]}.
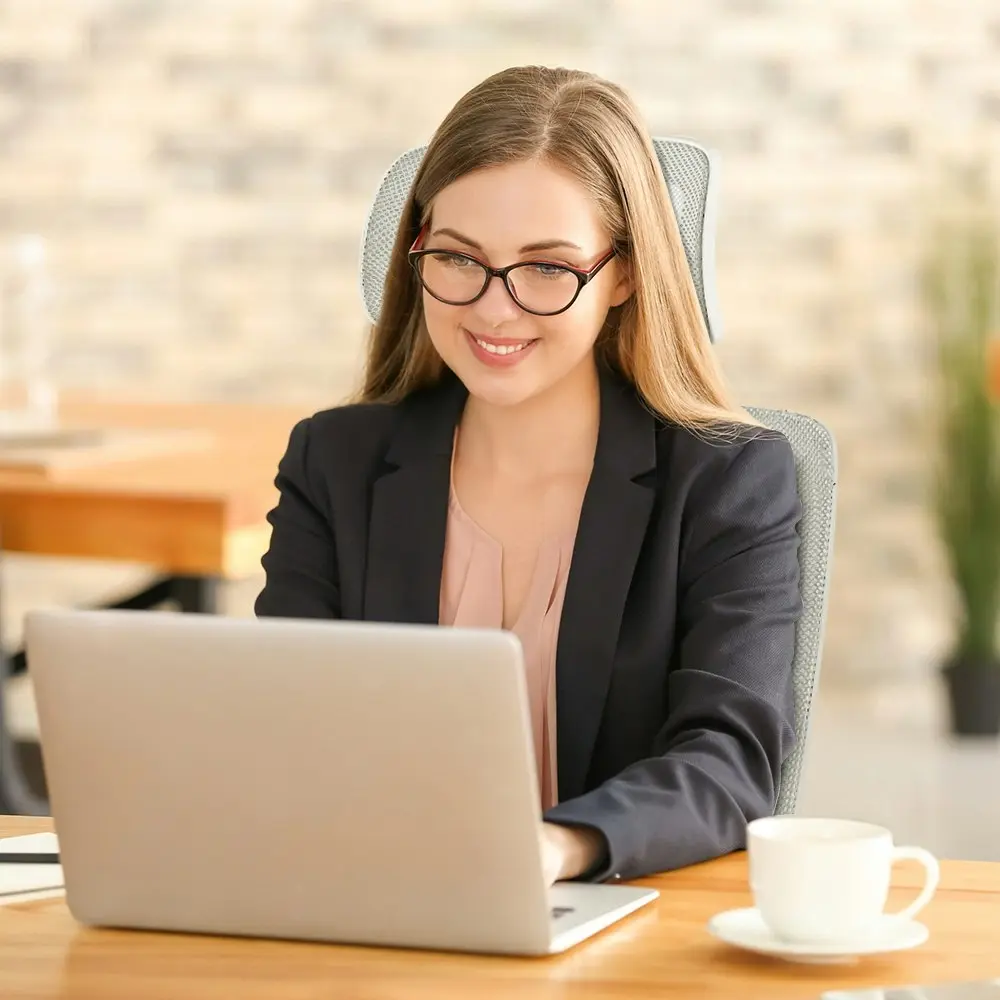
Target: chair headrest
{"points": [[691, 172]]}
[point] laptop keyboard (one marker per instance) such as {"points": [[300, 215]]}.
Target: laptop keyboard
{"points": [[561, 911]]}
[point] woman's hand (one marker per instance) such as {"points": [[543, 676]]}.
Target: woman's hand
{"points": [[569, 851]]}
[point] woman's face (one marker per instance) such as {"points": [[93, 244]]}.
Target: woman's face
{"points": [[527, 211]]}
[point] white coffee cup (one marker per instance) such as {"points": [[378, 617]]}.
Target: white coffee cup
{"points": [[827, 880]]}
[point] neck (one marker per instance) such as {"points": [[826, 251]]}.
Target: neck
{"points": [[550, 434]]}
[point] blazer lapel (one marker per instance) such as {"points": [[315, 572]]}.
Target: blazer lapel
{"points": [[409, 510], [612, 526]]}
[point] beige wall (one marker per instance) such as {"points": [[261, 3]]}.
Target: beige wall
{"points": [[202, 170]]}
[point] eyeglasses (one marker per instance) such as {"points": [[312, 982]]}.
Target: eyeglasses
{"points": [[540, 287]]}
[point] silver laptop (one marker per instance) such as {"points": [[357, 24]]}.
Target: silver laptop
{"points": [[314, 780]]}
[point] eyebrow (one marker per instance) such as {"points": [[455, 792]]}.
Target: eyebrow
{"points": [[527, 248]]}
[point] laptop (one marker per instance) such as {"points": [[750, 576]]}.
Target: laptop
{"points": [[313, 780]]}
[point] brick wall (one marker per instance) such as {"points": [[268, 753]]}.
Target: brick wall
{"points": [[202, 171]]}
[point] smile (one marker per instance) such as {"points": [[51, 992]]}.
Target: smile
{"points": [[502, 348], [499, 353]]}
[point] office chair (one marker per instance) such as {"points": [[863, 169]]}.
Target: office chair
{"points": [[691, 173]]}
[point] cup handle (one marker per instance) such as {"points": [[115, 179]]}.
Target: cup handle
{"points": [[933, 876]]}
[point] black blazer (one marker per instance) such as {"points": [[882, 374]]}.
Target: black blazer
{"points": [[673, 671]]}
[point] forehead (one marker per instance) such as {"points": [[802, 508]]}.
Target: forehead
{"points": [[520, 203]]}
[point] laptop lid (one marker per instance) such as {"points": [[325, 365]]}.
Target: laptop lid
{"points": [[338, 781]]}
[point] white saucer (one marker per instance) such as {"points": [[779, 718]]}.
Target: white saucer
{"points": [[746, 929]]}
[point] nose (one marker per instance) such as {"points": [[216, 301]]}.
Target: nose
{"points": [[496, 305]]}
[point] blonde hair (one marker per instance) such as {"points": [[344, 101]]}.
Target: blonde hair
{"points": [[657, 339]]}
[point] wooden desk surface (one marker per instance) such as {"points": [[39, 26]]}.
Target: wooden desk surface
{"points": [[200, 511], [663, 951]]}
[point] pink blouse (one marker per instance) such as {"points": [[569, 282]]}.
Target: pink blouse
{"points": [[472, 596]]}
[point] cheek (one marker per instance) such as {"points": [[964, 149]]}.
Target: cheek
{"points": [[578, 327], [442, 321]]}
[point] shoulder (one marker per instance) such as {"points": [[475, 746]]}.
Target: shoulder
{"points": [[359, 438], [342, 443], [678, 457], [742, 468], [732, 448], [730, 497], [351, 428]]}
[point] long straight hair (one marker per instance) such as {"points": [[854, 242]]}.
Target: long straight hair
{"points": [[657, 338]]}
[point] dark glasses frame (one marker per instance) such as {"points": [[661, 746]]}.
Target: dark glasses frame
{"points": [[583, 277]]}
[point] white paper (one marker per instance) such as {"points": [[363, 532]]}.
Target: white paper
{"points": [[32, 843], [19, 882]]}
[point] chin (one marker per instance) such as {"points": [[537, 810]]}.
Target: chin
{"points": [[508, 389]]}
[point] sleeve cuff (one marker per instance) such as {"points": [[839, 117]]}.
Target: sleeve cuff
{"points": [[603, 870]]}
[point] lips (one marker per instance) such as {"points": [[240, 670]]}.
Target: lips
{"points": [[497, 352], [502, 347]]}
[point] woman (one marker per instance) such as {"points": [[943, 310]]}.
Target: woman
{"points": [[541, 393]]}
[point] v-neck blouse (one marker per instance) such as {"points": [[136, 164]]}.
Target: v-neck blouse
{"points": [[472, 597]]}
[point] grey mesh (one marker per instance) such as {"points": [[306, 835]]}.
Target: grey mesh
{"points": [[816, 465], [692, 180]]}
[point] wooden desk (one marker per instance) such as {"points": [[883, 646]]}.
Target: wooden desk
{"points": [[199, 512], [663, 951]]}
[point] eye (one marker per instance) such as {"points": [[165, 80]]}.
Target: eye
{"points": [[546, 270], [453, 260]]}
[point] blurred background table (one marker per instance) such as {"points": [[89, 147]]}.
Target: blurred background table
{"points": [[195, 513]]}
